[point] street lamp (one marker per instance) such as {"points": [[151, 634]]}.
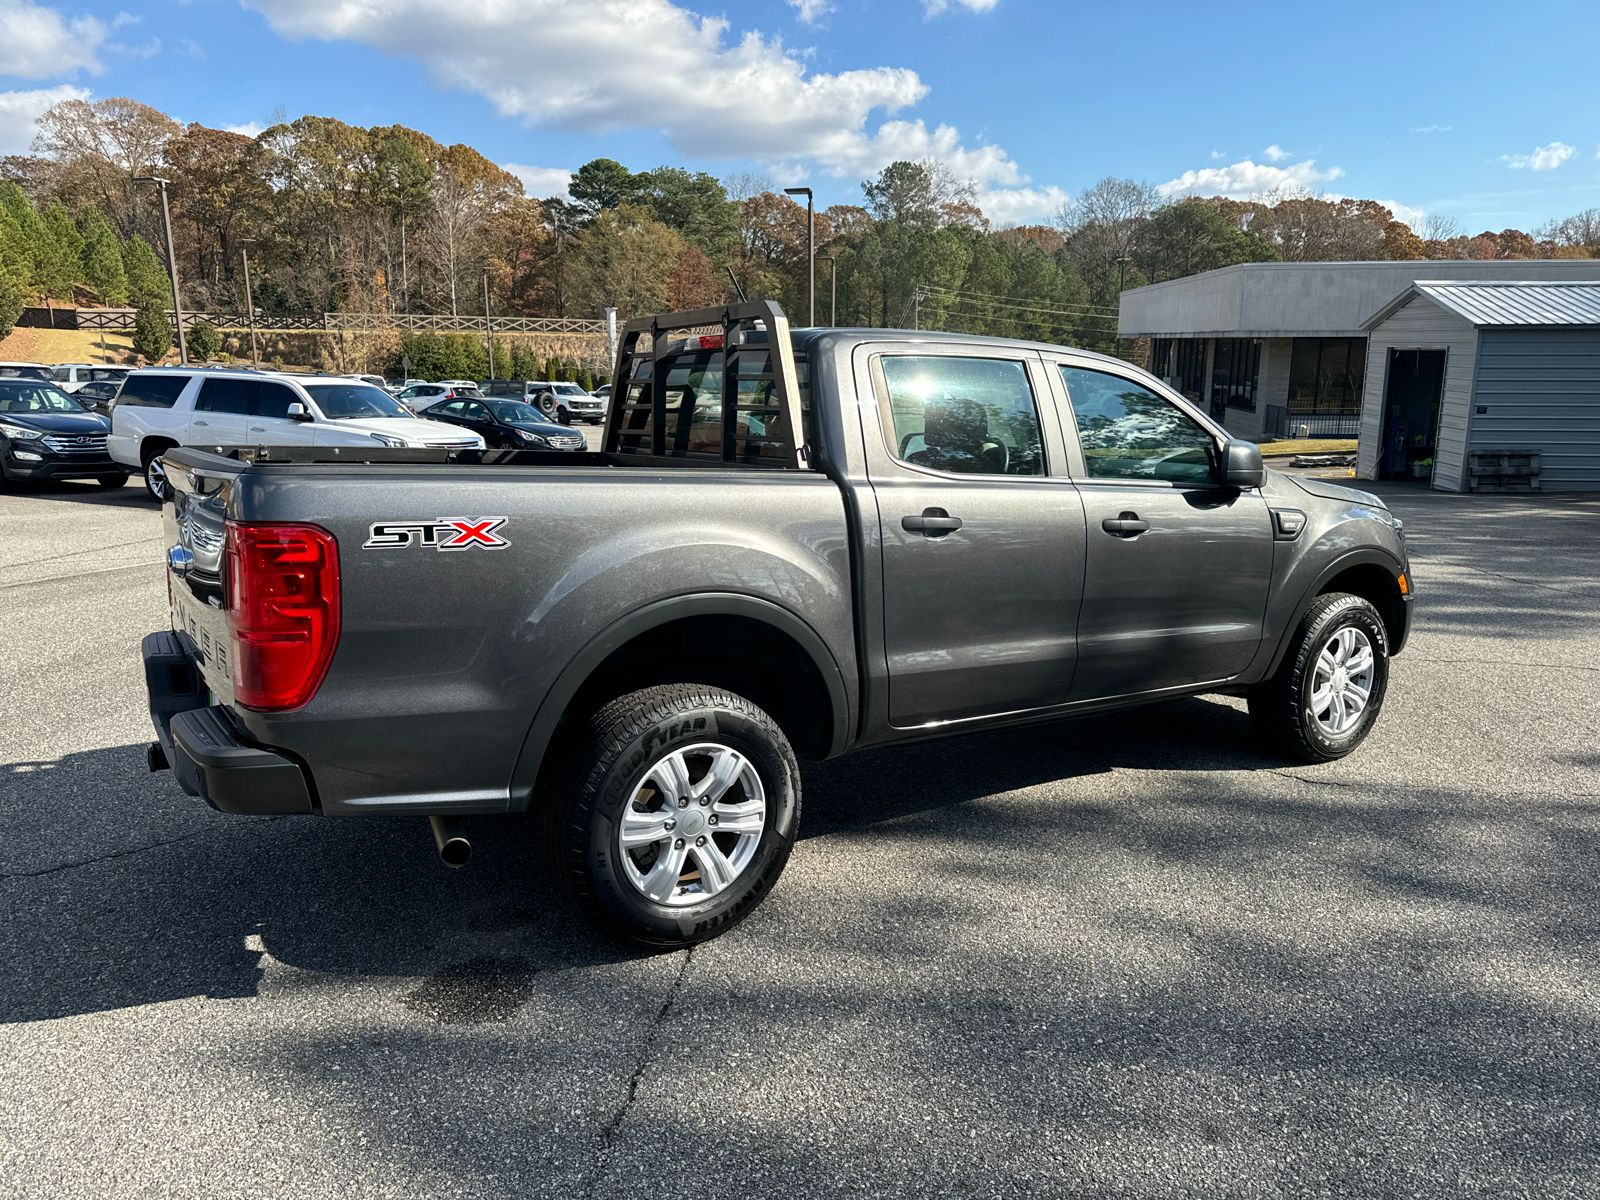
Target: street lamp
{"points": [[172, 262], [811, 244], [833, 284], [249, 303]]}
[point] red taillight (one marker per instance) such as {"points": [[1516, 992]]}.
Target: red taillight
{"points": [[710, 341], [281, 592]]}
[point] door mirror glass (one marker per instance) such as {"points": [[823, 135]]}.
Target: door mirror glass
{"points": [[1241, 465]]}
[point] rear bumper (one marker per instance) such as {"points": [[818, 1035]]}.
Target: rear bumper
{"points": [[207, 755]]}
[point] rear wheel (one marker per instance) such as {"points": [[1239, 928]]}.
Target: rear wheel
{"points": [[1326, 696], [677, 815], [563, 415]]}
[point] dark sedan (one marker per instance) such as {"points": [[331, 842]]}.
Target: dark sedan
{"points": [[506, 424], [46, 434], [98, 396]]}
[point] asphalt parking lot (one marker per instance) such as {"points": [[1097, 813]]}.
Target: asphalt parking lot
{"points": [[1124, 957]]}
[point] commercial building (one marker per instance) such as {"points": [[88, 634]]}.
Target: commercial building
{"points": [[1341, 349]]}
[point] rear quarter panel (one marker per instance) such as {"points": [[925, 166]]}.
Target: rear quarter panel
{"points": [[444, 657]]}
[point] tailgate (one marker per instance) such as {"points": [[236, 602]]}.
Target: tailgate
{"points": [[194, 521]]}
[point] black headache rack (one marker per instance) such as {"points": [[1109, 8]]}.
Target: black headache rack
{"points": [[727, 397]]}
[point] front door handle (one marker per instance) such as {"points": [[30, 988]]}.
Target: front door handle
{"points": [[934, 522], [202, 422], [258, 429], [1125, 525]]}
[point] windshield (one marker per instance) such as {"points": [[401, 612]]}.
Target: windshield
{"points": [[354, 401], [514, 412], [19, 397]]}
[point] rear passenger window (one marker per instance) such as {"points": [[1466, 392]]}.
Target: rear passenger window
{"points": [[1129, 432], [273, 400], [969, 416], [225, 396], [151, 391]]}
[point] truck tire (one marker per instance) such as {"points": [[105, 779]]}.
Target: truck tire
{"points": [[1328, 691], [678, 811], [154, 481]]}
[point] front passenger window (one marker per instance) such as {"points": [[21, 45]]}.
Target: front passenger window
{"points": [[1129, 432], [273, 400]]}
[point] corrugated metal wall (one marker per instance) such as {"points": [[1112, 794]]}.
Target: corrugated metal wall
{"points": [[1422, 325], [1542, 390]]}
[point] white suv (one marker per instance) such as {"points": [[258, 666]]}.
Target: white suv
{"points": [[69, 377], [165, 407]]}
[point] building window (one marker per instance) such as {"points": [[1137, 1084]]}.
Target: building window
{"points": [[1180, 363], [1326, 374], [1235, 372]]}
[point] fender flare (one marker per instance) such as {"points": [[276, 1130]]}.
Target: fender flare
{"points": [[662, 612], [1366, 556]]}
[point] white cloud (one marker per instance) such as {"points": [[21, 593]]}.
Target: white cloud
{"points": [[540, 182], [190, 48], [18, 110], [1022, 205], [1406, 213], [1245, 179], [1544, 158], [1276, 153], [1433, 129], [811, 11], [1216, 154], [35, 43], [751, 99], [934, 7], [250, 129]]}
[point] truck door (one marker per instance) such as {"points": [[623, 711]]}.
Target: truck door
{"points": [[1178, 568], [981, 530]]}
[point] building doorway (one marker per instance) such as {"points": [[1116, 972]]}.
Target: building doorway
{"points": [[1411, 414]]}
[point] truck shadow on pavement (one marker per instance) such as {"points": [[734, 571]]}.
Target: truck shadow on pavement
{"points": [[71, 491], [124, 891]]}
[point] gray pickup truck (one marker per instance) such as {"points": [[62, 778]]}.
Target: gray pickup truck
{"points": [[793, 544]]}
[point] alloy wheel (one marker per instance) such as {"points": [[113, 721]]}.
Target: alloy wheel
{"points": [[1341, 683]]}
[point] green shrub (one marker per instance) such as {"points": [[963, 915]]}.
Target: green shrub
{"points": [[152, 333], [203, 341]]}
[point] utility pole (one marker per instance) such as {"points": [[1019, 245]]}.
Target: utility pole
{"points": [[405, 283], [916, 308], [833, 288], [250, 306], [488, 329], [1122, 261], [172, 262], [811, 246]]}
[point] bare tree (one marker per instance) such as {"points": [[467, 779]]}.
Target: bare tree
{"points": [[1436, 227], [114, 140], [1580, 229], [455, 218], [1100, 226], [743, 185]]}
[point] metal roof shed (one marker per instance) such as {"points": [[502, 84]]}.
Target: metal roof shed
{"points": [[1521, 370]]}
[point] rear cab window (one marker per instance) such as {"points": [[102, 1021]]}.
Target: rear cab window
{"points": [[694, 427]]}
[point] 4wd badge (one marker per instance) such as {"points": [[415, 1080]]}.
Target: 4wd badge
{"points": [[478, 533]]}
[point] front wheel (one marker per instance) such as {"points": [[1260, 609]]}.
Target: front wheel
{"points": [[155, 480], [677, 814], [1326, 696], [112, 481], [563, 415]]}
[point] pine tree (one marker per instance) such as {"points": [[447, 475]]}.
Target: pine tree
{"points": [[12, 296], [552, 369], [102, 259], [61, 253], [31, 226], [147, 281], [152, 332]]}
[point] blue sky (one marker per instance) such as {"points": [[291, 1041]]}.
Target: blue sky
{"points": [[1486, 115]]}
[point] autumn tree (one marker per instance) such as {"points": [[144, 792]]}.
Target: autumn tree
{"points": [[625, 260], [694, 282], [108, 143]]}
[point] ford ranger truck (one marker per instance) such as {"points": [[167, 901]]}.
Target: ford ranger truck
{"points": [[791, 545]]}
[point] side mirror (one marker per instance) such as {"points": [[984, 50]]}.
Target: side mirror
{"points": [[297, 412], [1241, 465]]}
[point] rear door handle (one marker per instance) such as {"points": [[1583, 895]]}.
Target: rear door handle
{"points": [[202, 422], [934, 522], [1125, 525]]}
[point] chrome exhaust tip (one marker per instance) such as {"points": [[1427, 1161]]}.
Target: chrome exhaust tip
{"points": [[451, 838]]}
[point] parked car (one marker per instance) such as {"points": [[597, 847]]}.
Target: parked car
{"points": [[69, 377], [421, 395], [97, 396], [463, 384], [162, 408], [46, 434], [555, 398], [637, 644], [506, 424], [395, 386], [24, 370], [377, 381]]}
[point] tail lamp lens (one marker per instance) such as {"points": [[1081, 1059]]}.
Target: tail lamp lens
{"points": [[282, 599]]}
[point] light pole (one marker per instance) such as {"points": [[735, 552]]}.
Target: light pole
{"points": [[250, 307], [172, 262], [488, 329], [1122, 261], [811, 245], [833, 290]]}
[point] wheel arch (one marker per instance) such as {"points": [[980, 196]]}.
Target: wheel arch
{"points": [[1369, 573], [761, 648]]}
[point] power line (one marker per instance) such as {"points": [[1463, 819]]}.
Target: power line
{"points": [[927, 287], [1094, 314]]}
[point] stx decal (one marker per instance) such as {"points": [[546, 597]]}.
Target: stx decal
{"points": [[466, 534]]}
